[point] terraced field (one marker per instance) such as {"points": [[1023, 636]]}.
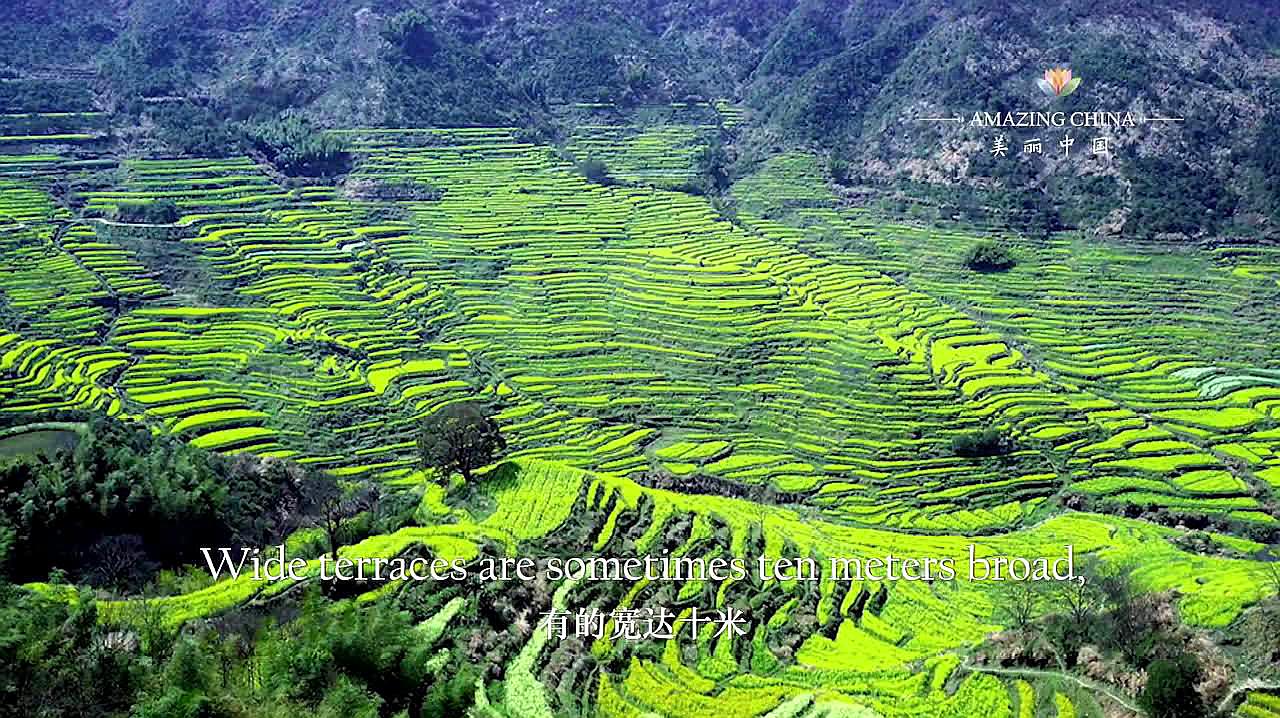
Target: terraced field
{"points": [[1175, 359], [637, 344]]}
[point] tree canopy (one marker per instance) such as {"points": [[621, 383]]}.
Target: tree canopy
{"points": [[459, 438]]}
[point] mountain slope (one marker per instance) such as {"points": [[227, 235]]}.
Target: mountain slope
{"points": [[847, 78]]}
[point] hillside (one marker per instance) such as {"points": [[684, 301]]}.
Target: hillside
{"points": [[468, 282], [848, 79], [824, 366]]}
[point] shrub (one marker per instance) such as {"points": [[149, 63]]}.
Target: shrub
{"points": [[451, 697], [347, 699], [594, 170], [714, 168], [989, 257], [838, 169], [1171, 688]]}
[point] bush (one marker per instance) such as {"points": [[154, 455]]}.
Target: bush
{"points": [[989, 257], [1171, 688], [594, 170], [452, 697], [988, 442], [838, 169], [713, 165]]}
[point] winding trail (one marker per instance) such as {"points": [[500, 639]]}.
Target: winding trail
{"points": [[1252, 684], [1085, 683]]}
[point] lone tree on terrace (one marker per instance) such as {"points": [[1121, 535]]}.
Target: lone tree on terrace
{"points": [[459, 438]]}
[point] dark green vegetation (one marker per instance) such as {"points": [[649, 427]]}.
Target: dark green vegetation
{"points": [[120, 504], [987, 442], [53, 660], [298, 148], [989, 257], [118, 508], [1170, 691], [434, 76], [459, 438], [162, 211], [331, 660], [594, 170]]}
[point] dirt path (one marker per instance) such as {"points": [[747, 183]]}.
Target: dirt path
{"points": [[1252, 684], [1085, 683]]}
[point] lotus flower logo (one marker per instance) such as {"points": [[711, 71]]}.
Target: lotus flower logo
{"points": [[1058, 82]]}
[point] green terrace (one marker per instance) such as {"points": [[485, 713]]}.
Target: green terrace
{"points": [[633, 341]]}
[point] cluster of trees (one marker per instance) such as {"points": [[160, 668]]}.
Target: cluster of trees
{"points": [[1106, 628], [56, 659], [433, 78], [989, 257], [161, 52], [21, 97], [159, 211], [335, 660], [123, 504], [290, 142], [713, 165], [1172, 197], [194, 129], [297, 148], [332, 660], [1266, 159], [990, 441]]}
